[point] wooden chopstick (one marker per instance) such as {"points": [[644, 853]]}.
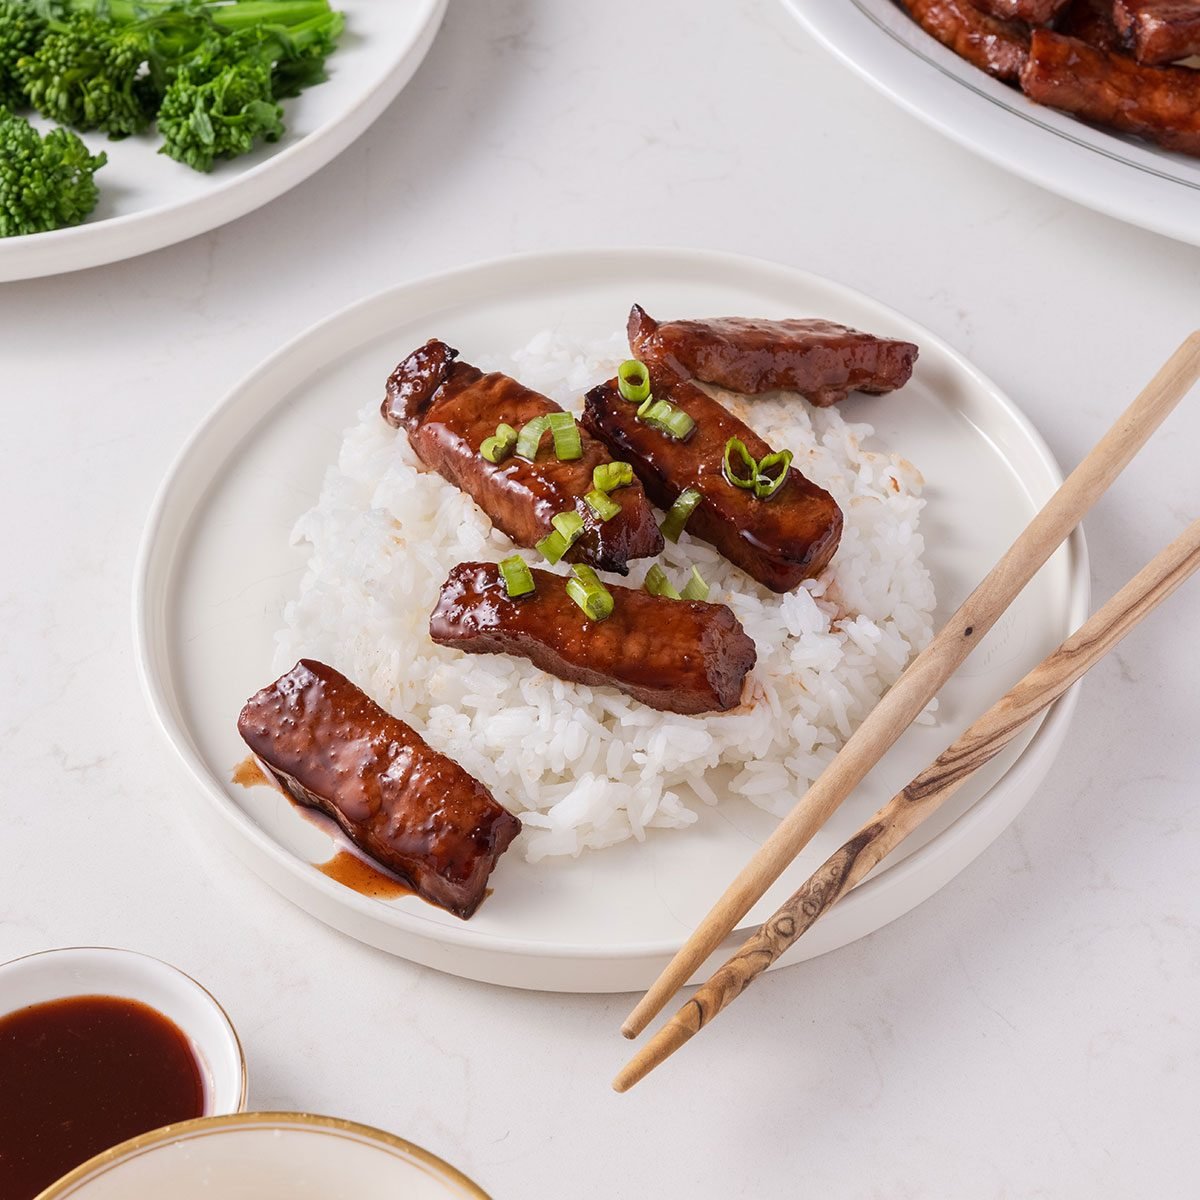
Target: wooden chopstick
{"points": [[928, 672], [978, 745]]}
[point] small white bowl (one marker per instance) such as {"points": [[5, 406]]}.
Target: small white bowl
{"points": [[101, 971], [265, 1156]]}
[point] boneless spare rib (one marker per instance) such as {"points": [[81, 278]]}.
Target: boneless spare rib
{"points": [[1161, 104], [449, 408], [410, 808], [685, 656], [821, 360], [779, 541]]}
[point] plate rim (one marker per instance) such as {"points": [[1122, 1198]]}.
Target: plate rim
{"points": [[1046, 739], [1167, 215], [98, 243]]}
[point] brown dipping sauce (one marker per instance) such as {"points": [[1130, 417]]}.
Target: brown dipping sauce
{"points": [[79, 1075], [249, 774], [356, 873]]}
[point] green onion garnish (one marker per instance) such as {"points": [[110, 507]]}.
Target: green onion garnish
{"points": [[657, 584], [496, 449], [758, 477], [518, 579], [695, 588], [633, 381], [766, 484], [589, 593], [601, 505], [666, 418], [553, 546], [607, 477], [567, 528], [530, 437], [735, 446], [568, 445], [677, 516], [645, 406], [569, 524]]}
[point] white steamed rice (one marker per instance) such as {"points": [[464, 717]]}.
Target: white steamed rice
{"points": [[589, 767]]}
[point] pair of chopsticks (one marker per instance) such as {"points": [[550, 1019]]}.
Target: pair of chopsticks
{"points": [[900, 707]]}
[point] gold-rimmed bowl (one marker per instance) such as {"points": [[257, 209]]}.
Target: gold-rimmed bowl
{"points": [[265, 1156]]}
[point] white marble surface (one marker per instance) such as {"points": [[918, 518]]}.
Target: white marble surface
{"points": [[1030, 1031]]}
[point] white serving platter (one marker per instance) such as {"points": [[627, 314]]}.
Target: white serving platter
{"points": [[1122, 176], [216, 569], [148, 201]]}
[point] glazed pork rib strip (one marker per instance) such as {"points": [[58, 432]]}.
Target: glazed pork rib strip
{"points": [[449, 407], [1159, 31], [684, 656], [1036, 12], [995, 46], [780, 542], [1090, 21], [1161, 104], [822, 361], [410, 808]]}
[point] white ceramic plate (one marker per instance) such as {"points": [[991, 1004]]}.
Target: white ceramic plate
{"points": [[216, 569], [260, 1156], [148, 201], [1124, 177]]}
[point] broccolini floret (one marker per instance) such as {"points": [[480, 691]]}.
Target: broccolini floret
{"points": [[90, 74], [46, 182], [220, 106], [21, 33]]}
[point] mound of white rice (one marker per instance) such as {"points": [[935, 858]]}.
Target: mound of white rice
{"points": [[589, 767]]}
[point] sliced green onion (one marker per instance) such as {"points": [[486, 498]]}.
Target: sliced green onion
{"points": [[569, 524], [601, 505], [645, 406], [633, 381], [766, 484], [496, 449], [607, 477], [518, 579], [553, 546], [677, 516], [589, 593], [695, 588], [666, 418], [735, 446], [567, 528], [568, 445], [657, 584], [530, 437]]}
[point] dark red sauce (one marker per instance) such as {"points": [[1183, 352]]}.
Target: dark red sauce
{"points": [[82, 1074]]}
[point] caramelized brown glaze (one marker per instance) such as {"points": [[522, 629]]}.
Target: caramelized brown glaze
{"points": [[1036, 12], [1091, 21], [683, 656], [410, 808], [450, 407], [1159, 31], [780, 542], [995, 46], [1158, 103], [822, 361]]}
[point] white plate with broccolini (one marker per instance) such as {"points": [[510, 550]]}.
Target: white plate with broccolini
{"points": [[214, 113]]}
